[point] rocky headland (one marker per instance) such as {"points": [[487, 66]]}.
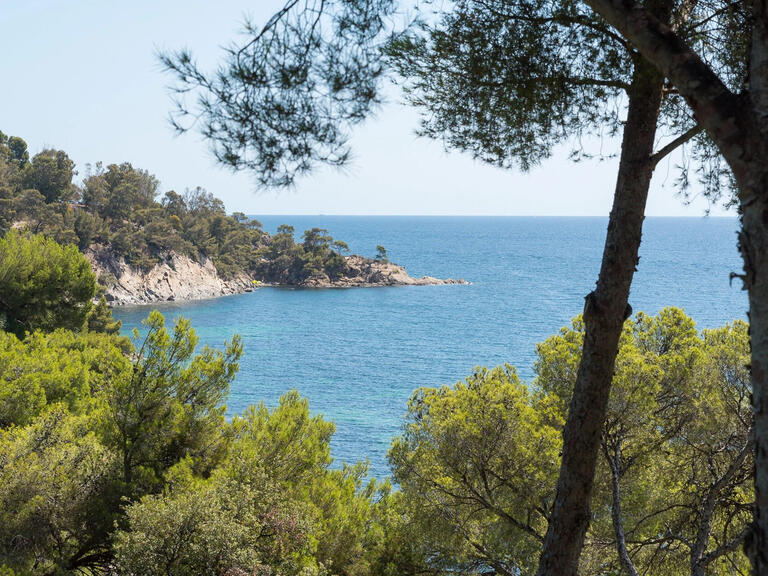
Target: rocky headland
{"points": [[178, 278], [363, 272]]}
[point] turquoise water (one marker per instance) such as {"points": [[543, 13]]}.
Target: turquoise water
{"points": [[357, 354]]}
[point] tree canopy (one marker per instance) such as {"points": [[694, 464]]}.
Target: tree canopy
{"points": [[477, 462], [43, 285]]}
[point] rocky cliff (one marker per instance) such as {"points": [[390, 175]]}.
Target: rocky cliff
{"points": [[178, 277]]}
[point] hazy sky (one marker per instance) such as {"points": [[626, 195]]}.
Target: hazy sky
{"points": [[82, 76]]}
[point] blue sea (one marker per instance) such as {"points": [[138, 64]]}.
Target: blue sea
{"points": [[357, 354]]}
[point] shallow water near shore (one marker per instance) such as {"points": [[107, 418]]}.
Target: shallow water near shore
{"points": [[357, 354]]}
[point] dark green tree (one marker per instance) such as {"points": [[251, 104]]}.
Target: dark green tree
{"points": [[308, 50], [101, 319], [18, 151], [7, 210], [126, 188], [171, 404], [50, 172], [43, 285], [94, 189], [174, 204], [200, 201], [86, 227]]}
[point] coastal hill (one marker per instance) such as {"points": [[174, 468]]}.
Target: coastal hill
{"points": [[180, 247]]}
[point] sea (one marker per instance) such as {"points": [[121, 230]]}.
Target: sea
{"points": [[357, 354]]}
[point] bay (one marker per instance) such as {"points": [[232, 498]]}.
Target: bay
{"points": [[357, 354]]}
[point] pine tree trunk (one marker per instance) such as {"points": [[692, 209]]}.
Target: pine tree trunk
{"points": [[605, 310], [738, 124], [753, 242]]}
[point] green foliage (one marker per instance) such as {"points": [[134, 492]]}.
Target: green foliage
{"points": [[302, 81], [119, 212], [170, 405], [88, 424], [119, 458], [478, 461], [118, 190], [101, 320], [50, 173], [18, 151], [55, 477], [7, 209], [60, 367], [86, 227], [272, 506], [381, 253], [43, 285], [199, 528], [284, 261]]}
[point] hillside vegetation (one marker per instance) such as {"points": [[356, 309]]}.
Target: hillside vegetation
{"points": [[117, 458], [120, 207]]}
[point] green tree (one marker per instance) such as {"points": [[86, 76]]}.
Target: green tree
{"points": [[59, 367], [50, 173], [88, 424], [43, 285], [201, 201], [125, 188], [736, 118], [478, 461], [7, 210], [381, 253], [94, 189], [477, 464], [55, 479], [674, 483], [174, 204], [101, 319], [18, 151], [86, 227], [272, 506], [170, 405]]}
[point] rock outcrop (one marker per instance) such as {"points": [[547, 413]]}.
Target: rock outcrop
{"points": [[363, 272], [177, 277]]}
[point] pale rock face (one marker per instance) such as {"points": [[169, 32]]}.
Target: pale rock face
{"points": [[177, 278], [180, 278], [366, 272]]}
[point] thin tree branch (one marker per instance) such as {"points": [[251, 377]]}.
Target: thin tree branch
{"points": [[656, 157]]}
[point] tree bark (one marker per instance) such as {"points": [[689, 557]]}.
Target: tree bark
{"points": [[605, 310], [723, 115], [738, 124], [753, 243]]}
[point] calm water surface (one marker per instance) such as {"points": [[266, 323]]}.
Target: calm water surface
{"points": [[357, 354]]}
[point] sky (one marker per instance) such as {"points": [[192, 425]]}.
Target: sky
{"points": [[82, 76]]}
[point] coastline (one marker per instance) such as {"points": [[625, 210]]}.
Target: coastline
{"points": [[179, 278]]}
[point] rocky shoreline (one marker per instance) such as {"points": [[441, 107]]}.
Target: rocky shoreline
{"points": [[180, 278], [364, 272], [176, 278]]}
